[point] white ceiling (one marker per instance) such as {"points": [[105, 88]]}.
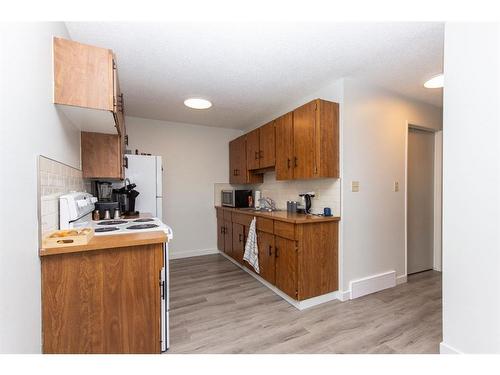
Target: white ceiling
{"points": [[250, 70]]}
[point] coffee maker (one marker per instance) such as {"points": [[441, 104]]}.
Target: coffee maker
{"points": [[105, 199], [305, 203], [125, 196]]}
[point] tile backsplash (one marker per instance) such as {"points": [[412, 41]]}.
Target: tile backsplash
{"points": [[327, 191], [55, 179]]}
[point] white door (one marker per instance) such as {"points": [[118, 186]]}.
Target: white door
{"points": [[420, 245]]}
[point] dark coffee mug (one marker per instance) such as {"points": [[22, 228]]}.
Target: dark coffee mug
{"points": [[327, 211]]}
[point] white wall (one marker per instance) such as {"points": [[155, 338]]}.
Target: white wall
{"points": [[374, 129], [194, 158], [373, 126], [471, 185], [30, 125]]}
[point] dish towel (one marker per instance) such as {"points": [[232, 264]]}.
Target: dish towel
{"points": [[251, 249]]}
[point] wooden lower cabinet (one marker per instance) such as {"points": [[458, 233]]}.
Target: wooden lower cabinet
{"points": [[286, 266], [299, 259], [220, 234], [317, 259], [266, 246], [228, 237], [103, 301], [238, 242]]}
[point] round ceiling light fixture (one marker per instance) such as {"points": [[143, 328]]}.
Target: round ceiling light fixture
{"points": [[197, 103], [435, 82]]}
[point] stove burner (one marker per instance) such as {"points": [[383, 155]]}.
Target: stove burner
{"points": [[106, 229], [145, 220], [112, 222], [142, 226]]}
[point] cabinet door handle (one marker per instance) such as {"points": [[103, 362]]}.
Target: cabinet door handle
{"points": [[276, 252], [256, 155], [237, 172], [295, 161], [239, 237], [125, 162], [121, 103], [288, 163], [270, 250], [261, 154]]}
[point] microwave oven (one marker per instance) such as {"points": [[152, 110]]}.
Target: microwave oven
{"points": [[236, 198]]}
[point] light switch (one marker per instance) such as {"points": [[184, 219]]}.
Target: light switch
{"points": [[355, 186], [396, 186]]}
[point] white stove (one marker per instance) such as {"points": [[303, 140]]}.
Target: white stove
{"points": [[126, 226], [75, 211]]}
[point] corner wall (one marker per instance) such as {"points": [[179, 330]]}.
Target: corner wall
{"points": [[30, 125], [194, 159], [471, 185], [374, 130]]}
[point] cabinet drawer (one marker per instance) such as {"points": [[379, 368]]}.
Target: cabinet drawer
{"points": [[242, 219], [285, 230], [227, 215], [265, 225]]}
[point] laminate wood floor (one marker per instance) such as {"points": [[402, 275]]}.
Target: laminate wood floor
{"points": [[215, 307]]}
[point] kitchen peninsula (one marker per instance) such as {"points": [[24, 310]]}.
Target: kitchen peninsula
{"points": [[104, 297]]}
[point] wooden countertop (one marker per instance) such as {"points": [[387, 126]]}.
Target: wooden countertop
{"points": [[288, 217], [110, 242]]}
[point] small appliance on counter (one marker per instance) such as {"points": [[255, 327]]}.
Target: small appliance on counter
{"points": [[257, 199], [126, 196], [106, 204], [305, 203], [236, 198]]}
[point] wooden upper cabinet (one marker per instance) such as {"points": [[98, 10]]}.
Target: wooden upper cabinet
{"points": [[327, 139], [101, 155], [284, 147], [86, 86], [301, 144], [236, 152], [83, 75], [304, 128], [267, 145], [238, 171], [316, 140], [253, 149]]}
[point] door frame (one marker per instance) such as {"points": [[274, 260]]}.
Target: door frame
{"points": [[437, 248]]}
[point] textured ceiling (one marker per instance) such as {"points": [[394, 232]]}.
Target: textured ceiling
{"points": [[249, 70]]}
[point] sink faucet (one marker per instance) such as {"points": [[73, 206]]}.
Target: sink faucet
{"points": [[267, 204]]}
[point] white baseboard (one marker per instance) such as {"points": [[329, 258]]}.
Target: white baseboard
{"points": [[344, 295], [300, 305], [401, 279], [372, 284], [191, 253], [444, 348]]}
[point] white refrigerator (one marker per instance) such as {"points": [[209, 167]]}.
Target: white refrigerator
{"points": [[147, 173]]}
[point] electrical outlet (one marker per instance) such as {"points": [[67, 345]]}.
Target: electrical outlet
{"points": [[355, 186], [396, 186]]}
